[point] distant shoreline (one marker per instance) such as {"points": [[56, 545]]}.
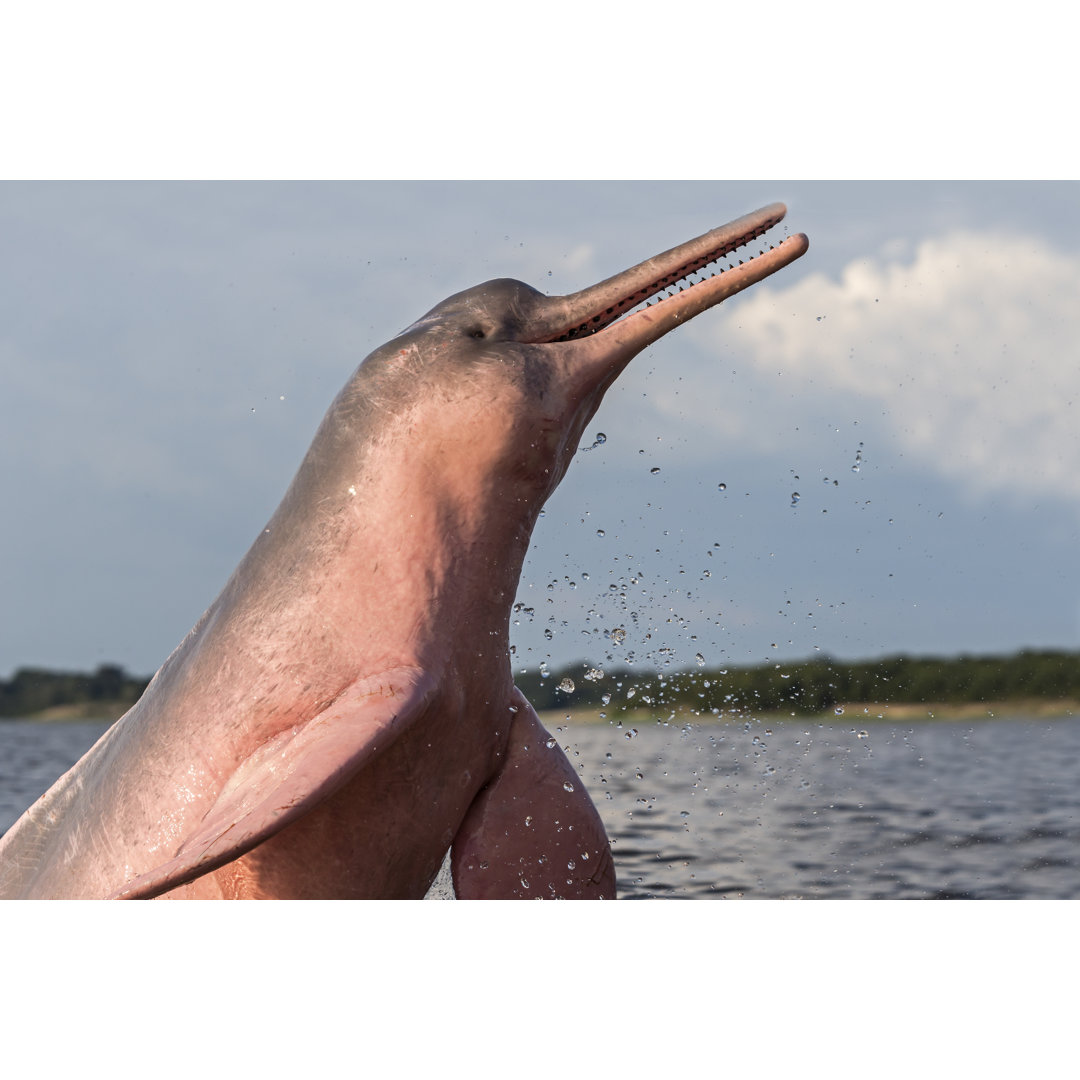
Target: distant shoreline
{"points": [[862, 713], [105, 711], [1022, 708], [1038, 683]]}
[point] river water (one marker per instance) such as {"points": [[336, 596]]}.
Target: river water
{"points": [[783, 809]]}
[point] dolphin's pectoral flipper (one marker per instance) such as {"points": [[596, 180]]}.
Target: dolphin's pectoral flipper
{"points": [[291, 774], [532, 832]]}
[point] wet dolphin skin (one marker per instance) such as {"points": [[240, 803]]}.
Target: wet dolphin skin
{"points": [[344, 712]]}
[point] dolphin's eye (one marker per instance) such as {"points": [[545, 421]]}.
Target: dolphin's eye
{"points": [[477, 332]]}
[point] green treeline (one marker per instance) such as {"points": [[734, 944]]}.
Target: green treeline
{"points": [[819, 685], [33, 690], [810, 686]]}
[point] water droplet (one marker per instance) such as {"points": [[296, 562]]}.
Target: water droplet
{"points": [[721, 487], [654, 470], [567, 686], [524, 883], [795, 497], [568, 786], [700, 660], [839, 710], [550, 744], [864, 734], [600, 532], [528, 820], [618, 635], [605, 699]]}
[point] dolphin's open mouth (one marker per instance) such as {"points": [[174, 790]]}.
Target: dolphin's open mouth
{"points": [[678, 273]]}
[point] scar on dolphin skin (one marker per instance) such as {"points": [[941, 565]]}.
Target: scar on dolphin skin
{"points": [[344, 712]]}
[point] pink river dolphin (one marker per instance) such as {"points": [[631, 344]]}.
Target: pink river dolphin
{"points": [[345, 713]]}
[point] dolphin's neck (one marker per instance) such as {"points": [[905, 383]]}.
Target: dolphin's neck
{"points": [[379, 549]]}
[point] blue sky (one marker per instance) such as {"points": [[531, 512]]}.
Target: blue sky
{"points": [[168, 350]]}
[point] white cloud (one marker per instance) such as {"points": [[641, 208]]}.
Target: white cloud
{"points": [[968, 350]]}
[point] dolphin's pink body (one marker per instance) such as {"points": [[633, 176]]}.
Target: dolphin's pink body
{"points": [[344, 712]]}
